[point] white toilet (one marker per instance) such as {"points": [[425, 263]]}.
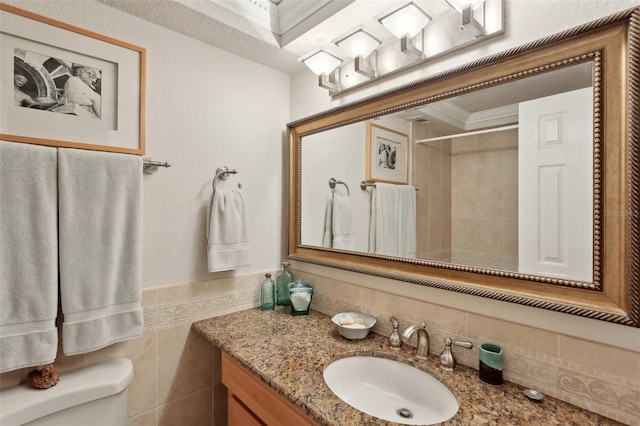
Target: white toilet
{"points": [[91, 396]]}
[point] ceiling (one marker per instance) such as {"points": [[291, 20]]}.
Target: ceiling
{"points": [[275, 33]]}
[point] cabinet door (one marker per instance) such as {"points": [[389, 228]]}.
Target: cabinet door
{"points": [[262, 401], [239, 415]]}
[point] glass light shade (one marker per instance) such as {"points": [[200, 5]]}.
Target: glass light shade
{"points": [[459, 5], [409, 19], [359, 43], [322, 62]]}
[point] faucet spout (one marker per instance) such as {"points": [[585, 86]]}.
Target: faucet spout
{"points": [[422, 348]]}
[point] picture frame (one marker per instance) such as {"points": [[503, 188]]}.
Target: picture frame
{"points": [[387, 155], [71, 87]]}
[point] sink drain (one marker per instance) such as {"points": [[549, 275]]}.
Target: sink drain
{"points": [[405, 413]]}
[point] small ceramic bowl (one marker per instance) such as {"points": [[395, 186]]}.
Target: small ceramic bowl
{"points": [[353, 325]]}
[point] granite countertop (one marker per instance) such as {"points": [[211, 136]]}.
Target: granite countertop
{"points": [[289, 354]]}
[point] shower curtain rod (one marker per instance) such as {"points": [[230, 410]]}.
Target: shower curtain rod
{"points": [[477, 132]]}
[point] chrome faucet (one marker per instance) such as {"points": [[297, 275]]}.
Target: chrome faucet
{"points": [[422, 350]]}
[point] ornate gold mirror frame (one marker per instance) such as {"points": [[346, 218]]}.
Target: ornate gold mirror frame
{"points": [[613, 44]]}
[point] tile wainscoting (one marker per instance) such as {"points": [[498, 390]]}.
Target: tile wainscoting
{"points": [[174, 375], [177, 381]]}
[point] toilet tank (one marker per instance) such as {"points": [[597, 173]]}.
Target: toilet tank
{"points": [[94, 395]]}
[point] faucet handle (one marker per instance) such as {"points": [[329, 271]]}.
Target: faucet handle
{"points": [[447, 360], [394, 337]]}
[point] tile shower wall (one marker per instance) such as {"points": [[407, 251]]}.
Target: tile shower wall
{"points": [[433, 200], [175, 378], [484, 200], [593, 376]]}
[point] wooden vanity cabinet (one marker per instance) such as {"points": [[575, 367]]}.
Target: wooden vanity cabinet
{"points": [[252, 402]]}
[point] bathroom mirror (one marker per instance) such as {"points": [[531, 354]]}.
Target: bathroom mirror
{"points": [[525, 169]]}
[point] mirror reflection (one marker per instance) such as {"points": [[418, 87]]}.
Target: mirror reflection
{"points": [[499, 178]]}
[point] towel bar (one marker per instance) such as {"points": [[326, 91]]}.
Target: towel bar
{"points": [[149, 167], [364, 185]]}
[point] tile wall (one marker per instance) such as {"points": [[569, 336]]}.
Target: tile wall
{"points": [[177, 378], [175, 371]]}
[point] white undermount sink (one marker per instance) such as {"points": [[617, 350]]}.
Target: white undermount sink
{"points": [[390, 390]]}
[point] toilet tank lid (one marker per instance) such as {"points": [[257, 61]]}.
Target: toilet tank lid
{"points": [[22, 404]]}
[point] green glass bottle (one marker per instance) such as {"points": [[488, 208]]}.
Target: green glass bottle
{"points": [[283, 282], [267, 299]]}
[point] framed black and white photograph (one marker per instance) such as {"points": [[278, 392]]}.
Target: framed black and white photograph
{"points": [[65, 86], [387, 155]]}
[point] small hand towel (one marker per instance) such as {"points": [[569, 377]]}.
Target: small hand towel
{"points": [[28, 255], [100, 203], [342, 236], [228, 246]]}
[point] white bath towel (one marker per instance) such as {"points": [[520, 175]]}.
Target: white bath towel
{"points": [[28, 255], [228, 246], [341, 222], [327, 236], [392, 230], [100, 203]]}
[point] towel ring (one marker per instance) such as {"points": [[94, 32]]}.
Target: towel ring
{"points": [[222, 173], [332, 185]]}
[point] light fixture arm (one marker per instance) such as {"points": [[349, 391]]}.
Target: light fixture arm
{"points": [[470, 24], [407, 45], [329, 82], [361, 67]]}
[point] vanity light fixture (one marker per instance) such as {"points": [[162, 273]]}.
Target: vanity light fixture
{"points": [[405, 23], [359, 44], [472, 15], [423, 29], [323, 64]]}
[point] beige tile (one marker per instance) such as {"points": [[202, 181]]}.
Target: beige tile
{"points": [[142, 352], [228, 285], [435, 201], [185, 360], [463, 202], [510, 196], [193, 410], [489, 203], [146, 419], [488, 236], [375, 300], [149, 297], [452, 320], [341, 290], [510, 242], [185, 291], [463, 234], [14, 378], [488, 169], [501, 332], [463, 169], [598, 391], [220, 405], [599, 357]]}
